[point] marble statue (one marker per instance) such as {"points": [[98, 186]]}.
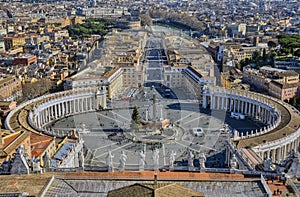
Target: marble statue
{"points": [[191, 159], [80, 159], [47, 162], [6, 165], [172, 159], [155, 158], [233, 162], [36, 166], [267, 164], [109, 161], [294, 170], [122, 160], [202, 160], [141, 160]]}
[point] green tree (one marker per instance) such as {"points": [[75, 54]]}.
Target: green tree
{"points": [[297, 53], [135, 116], [271, 44], [294, 102]]}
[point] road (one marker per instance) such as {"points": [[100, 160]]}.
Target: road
{"points": [[155, 59]]}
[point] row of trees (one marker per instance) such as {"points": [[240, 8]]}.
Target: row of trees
{"points": [[91, 26], [290, 44], [183, 19]]}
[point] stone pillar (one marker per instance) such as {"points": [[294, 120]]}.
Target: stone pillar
{"points": [[86, 104], [211, 102], [74, 106], [239, 105], [64, 108], [253, 110], [278, 155], [223, 103], [273, 155], [227, 103], [91, 103], [284, 151], [51, 112], [59, 106], [234, 105]]}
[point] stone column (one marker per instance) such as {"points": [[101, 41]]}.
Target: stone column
{"points": [[278, 155], [227, 103], [239, 105], [253, 110], [59, 109], [284, 151], [86, 104], [211, 102], [91, 103], [56, 111], [268, 154], [74, 106], [81, 104], [63, 106], [51, 112], [234, 105], [223, 103], [273, 155]]}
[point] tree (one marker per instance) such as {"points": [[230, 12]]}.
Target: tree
{"points": [[297, 53], [293, 101], [271, 44], [135, 116]]}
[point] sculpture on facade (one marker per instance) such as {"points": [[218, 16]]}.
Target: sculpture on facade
{"points": [[122, 160], [6, 165], [267, 164], [202, 160], [294, 170], [172, 159], [36, 166], [233, 162], [109, 161], [80, 159], [191, 159], [141, 160], [47, 162], [155, 158]]}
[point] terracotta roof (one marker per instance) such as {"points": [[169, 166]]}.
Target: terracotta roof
{"points": [[39, 144]]}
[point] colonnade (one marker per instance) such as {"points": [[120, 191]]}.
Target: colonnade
{"points": [[250, 105], [48, 108], [278, 150], [60, 108], [257, 107]]}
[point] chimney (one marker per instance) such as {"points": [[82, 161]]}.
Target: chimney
{"points": [[155, 178]]}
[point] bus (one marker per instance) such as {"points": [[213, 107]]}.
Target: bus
{"points": [[237, 116]]}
